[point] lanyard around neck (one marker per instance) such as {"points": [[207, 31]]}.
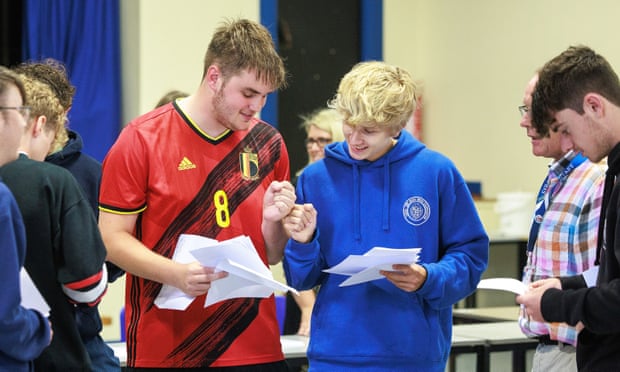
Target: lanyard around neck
{"points": [[545, 196]]}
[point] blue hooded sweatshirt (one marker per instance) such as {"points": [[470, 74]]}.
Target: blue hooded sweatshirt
{"points": [[411, 197], [85, 169]]}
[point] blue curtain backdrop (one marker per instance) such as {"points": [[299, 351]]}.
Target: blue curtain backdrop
{"points": [[269, 18], [84, 35]]}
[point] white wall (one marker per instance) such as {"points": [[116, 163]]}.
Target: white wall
{"points": [[163, 45], [474, 59]]}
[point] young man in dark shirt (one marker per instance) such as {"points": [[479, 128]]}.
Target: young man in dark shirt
{"points": [[65, 253], [578, 95]]}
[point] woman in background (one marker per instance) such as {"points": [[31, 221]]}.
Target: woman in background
{"points": [[323, 126]]}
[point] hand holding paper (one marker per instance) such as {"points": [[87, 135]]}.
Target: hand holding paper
{"points": [[531, 298], [517, 287], [367, 267], [247, 274], [31, 297], [169, 296]]}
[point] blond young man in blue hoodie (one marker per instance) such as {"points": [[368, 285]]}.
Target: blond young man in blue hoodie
{"points": [[382, 187]]}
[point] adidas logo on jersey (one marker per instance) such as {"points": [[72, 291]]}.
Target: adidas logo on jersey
{"points": [[186, 164]]}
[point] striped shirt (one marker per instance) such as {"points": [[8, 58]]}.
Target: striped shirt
{"points": [[567, 238]]}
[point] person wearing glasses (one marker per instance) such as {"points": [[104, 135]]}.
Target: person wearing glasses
{"points": [[563, 234], [383, 188], [64, 250], [323, 126], [24, 333]]}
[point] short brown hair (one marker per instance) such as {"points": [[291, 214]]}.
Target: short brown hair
{"points": [[242, 44], [565, 80]]}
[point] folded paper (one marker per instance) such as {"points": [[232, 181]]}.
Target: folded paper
{"points": [[247, 274], [31, 297], [367, 267]]}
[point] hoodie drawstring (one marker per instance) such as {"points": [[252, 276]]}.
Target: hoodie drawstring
{"points": [[385, 219], [357, 234], [385, 215]]}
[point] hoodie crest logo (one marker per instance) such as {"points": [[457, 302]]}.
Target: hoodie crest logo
{"points": [[416, 210]]}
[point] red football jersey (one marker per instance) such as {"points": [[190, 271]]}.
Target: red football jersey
{"points": [[182, 181]]}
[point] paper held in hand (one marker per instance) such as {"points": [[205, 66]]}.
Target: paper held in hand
{"points": [[366, 267], [31, 297], [247, 274], [503, 284]]}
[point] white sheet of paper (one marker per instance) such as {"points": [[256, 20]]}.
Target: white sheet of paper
{"points": [[31, 297], [364, 268], [240, 250], [245, 272], [590, 276], [171, 297], [383, 251], [247, 275], [235, 287], [242, 282], [503, 284], [371, 273]]}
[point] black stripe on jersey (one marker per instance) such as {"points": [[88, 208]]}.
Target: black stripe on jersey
{"points": [[231, 317]]}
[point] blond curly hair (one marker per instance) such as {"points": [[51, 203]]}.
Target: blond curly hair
{"points": [[43, 102], [376, 94]]}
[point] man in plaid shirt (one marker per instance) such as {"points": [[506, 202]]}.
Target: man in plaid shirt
{"points": [[563, 236]]}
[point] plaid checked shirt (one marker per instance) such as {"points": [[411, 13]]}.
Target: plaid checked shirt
{"points": [[566, 242]]}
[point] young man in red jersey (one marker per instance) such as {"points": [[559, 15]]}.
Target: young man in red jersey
{"points": [[201, 165]]}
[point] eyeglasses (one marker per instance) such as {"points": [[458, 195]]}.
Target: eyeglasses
{"points": [[23, 110], [321, 141], [524, 110]]}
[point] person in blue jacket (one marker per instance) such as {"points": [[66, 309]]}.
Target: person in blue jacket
{"points": [[24, 333], [383, 188]]}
